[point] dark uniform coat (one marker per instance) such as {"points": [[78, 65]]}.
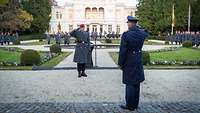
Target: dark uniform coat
{"points": [[82, 47], [130, 56], [66, 38]]}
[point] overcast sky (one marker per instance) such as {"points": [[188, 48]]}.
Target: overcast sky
{"points": [[129, 2]]}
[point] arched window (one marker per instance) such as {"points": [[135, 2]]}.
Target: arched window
{"points": [[94, 9], [57, 15], [101, 12], [87, 9], [87, 12], [101, 9]]}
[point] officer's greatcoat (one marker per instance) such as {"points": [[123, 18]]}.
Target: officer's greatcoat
{"points": [[130, 56], [82, 47]]}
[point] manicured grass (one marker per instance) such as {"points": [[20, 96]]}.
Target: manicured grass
{"points": [[178, 55], [16, 68], [3, 2], [9, 56], [56, 60], [118, 41], [114, 56]]}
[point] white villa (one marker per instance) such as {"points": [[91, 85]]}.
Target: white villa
{"points": [[97, 15]]}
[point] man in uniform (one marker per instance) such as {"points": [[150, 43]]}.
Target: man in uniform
{"points": [[48, 38], [113, 35], [82, 49], [130, 61], [66, 38], [100, 34], [1, 38], [58, 38], [197, 39]]}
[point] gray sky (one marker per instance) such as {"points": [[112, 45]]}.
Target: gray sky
{"points": [[129, 2]]}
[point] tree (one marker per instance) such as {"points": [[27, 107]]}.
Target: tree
{"points": [[195, 15], [13, 17], [40, 9], [156, 15]]}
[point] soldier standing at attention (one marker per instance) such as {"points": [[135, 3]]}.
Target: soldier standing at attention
{"points": [[48, 38], [82, 49], [66, 38], [130, 61], [1, 38]]}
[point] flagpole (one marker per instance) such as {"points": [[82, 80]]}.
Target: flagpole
{"points": [[173, 19], [189, 17]]}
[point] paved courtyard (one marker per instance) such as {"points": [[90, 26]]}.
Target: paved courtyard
{"points": [[165, 91]]}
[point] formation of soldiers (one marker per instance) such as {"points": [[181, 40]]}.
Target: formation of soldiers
{"points": [[7, 37], [65, 36], [181, 37], [59, 37], [104, 34]]}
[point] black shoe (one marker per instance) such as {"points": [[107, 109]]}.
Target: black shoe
{"points": [[84, 75], [79, 75], [127, 108]]}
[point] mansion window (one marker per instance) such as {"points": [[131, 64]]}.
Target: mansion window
{"points": [[118, 29], [109, 28], [58, 15], [70, 28], [94, 13]]}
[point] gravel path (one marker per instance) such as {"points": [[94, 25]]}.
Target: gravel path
{"points": [[100, 86]]}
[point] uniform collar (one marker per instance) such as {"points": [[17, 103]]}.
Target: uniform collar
{"points": [[133, 28]]}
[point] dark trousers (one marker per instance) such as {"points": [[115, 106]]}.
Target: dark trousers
{"points": [[81, 67], [132, 95]]}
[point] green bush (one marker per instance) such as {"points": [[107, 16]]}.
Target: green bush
{"points": [[157, 37], [30, 58], [40, 40], [55, 48], [108, 41], [187, 44], [166, 42], [145, 57], [16, 42]]}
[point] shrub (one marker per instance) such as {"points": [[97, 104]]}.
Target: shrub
{"points": [[55, 48], [166, 42], [40, 40], [187, 44], [145, 57], [108, 41], [16, 42], [157, 37], [30, 58]]}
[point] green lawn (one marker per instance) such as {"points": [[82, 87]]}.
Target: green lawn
{"points": [[3, 2], [56, 60], [117, 41], [178, 55], [9, 56]]}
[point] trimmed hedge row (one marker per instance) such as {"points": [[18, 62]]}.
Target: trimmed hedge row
{"points": [[32, 37]]}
